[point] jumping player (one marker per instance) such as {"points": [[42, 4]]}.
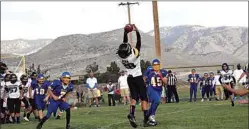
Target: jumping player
{"points": [[13, 89], [131, 60], [227, 79], [156, 77], [58, 91], [40, 96], [25, 87]]}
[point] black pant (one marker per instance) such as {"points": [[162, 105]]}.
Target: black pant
{"points": [[171, 91], [14, 105], [111, 98]]}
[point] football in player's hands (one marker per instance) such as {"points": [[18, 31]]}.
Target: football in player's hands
{"points": [[129, 28]]}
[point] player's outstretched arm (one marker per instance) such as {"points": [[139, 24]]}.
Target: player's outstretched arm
{"points": [[125, 38], [240, 92], [138, 45]]}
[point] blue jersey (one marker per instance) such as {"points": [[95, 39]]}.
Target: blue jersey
{"points": [[193, 79], [206, 81], [58, 89], [155, 79], [40, 90]]}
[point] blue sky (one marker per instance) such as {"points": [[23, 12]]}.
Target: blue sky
{"points": [[35, 20]]}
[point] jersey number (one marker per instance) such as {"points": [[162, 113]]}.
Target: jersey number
{"points": [[128, 65], [193, 79], [42, 91], [156, 81], [13, 90]]}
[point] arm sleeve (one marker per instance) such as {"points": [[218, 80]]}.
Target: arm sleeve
{"points": [[138, 45], [125, 38], [188, 78], [53, 85]]}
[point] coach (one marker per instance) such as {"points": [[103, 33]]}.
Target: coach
{"points": [[91, 83]]}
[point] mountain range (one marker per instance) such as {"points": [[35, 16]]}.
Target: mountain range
{"points": [[185, 45]]}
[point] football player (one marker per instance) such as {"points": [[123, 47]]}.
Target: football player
{"points": [[212, 86], [5, 116], [40, 96], [156, 77], [227, 79], [193, 79], [13, 89], [25, 87], [32, 81], [130, 57], [205, 85], [58, 91]]}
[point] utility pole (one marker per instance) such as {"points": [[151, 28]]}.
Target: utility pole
{"points": [[156, 30], [129, 14]]}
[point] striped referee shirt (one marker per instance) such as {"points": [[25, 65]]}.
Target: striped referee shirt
{"points": [[171, 80]]}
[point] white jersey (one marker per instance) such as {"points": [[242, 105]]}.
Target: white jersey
{"points": [[25, 89], [13, 90], [226, 77], [132, 64]]}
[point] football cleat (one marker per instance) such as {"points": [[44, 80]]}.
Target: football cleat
{"points": [[26, 119], [132, 120], [39, 126]]}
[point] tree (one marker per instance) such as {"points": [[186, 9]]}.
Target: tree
{"points": [[144, 65], [113, 68], [92, 67]]}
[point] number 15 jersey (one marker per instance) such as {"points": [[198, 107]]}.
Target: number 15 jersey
{"points": [[132, 63]]}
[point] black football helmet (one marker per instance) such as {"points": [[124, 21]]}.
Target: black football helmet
{"points": [[124, 50], [13, 78], [24, 78]]}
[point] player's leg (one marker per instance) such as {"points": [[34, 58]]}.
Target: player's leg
{"points": [[202, 93], [191, 92], [113, 100], [2, 112], [134, 97], [39, 107], [17, 109], [208, 93], [142, 92], [52, 107], [27, 109], [195, 92], [154, 98], [11, 108], [66, 107], [90, 97]]}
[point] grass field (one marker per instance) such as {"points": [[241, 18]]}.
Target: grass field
{"points": [[184, 115]]}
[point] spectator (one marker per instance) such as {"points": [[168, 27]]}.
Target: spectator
{"points": [[172, 86], [111, 88], [193, 79], [124, 88], [237, 73], [80, 93], [218, 87], [92, 89]]}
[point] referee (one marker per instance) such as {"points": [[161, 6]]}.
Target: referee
{"points": [[172, 86]]}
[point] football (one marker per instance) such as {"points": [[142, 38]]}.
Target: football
{"points": [[129, 28]]}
